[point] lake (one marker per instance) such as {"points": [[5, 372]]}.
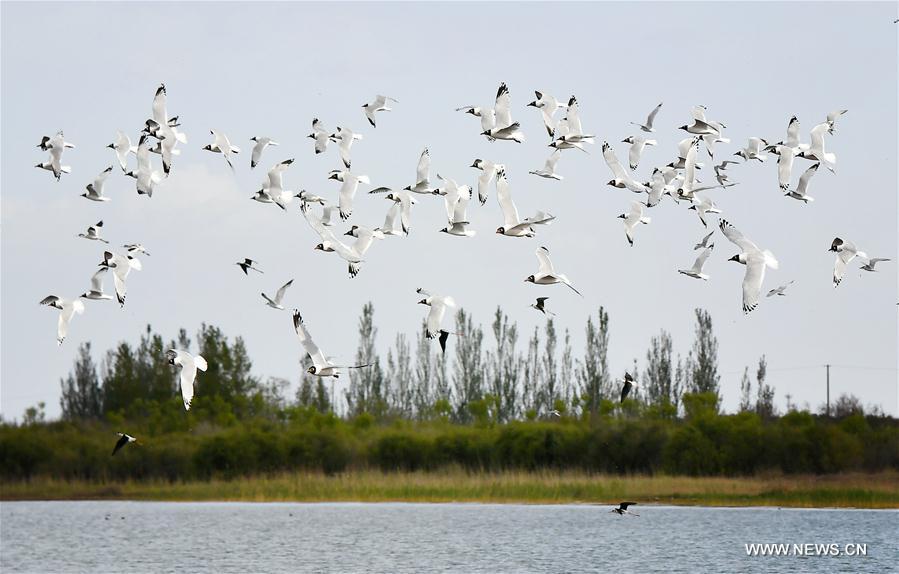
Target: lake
{"points": [[87, 536]]}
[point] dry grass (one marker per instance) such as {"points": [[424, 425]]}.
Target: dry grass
{"points": [[879, 490]]}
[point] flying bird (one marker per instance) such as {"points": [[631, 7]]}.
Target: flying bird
{"points": [[548, 107], [247, 264], [832, 118], [379, 105], [279, 296], [96, 292], [702, 206], [815, 151], [846, 251], [95, 189], [189, 365], [348, 191], [121, 266], [422, 175], [320, 135], [489, 170], [632, 218], [93, 232], [779, 291], [705, 241], [345, 138], [753, 150], [438, 305], [869, 266], [549, 168], [755, 260], [136, 248], [122, 146], [124, 439], [321, 365], [622, 178], [260, 144], [801, 191], [67, 308], [55, 145], [146, 176], [647, 127], [222, 145], [546, 274], [636, 150], [622, 509], [540, 305], [626, 386], [513, 225], [696, 271]]}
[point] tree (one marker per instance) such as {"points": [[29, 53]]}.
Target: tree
{"points": [[548, 391], [505, 368], [566, 368], [592, 372], [366, 391], [121, 386], [745, 388], [764, 405], [425, 374], [468, 374], [846, 405], [228, 375], [531, 386], [705, 351], [400, 377], [81, 398], [659, 377]]}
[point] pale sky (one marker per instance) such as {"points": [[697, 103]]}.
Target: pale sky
{"points": [[268, 69]]}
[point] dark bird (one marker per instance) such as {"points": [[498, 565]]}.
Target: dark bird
{"points": [[123, 440], [622, 509], [248, 264], [540, 305], [625, 391]]}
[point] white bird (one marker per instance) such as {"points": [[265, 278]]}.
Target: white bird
{"points": [[345, 137], [389, 226], [68, 309], [487, 115], [353, 254], [320, 135], [403, 201], [348, 191], [801, 191], [548, 106], [755, 260], [189, 365], [705, 241], [96, 292], [93, 232], [696, 270], [513, 225], [321, 366], [422, 175], [622, 178], [124, 439], [632, 218], [273, 186], [438, 305], [121, 266], [657, 187], [647, 127], [720, 169], [702, 128], [308, 197], [816, 151], [146, 176], [452, 192], [458, 220], [136, 248], [546, 274], [160, 114], [510, 133], [379, 105], [846, 251], [832, 118], [792, 140], [58, 140], [636, 150], [247, 264], [780, 291], [166, 146], [549, 168], [95, 189], [488, 172], [569, 132], [279, 296], [869, 266], [122, 146], [687, 188], [784, 166], [260, 144], [753, 150], [703, 205], [222, 145], [55, 145]]}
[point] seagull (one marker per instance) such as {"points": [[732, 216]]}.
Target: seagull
{"points": [[136, 248], [487, 115], [320, 135], [438, 305], [696, 270], [792, 140], [160, 114], [801, 191], [95, 189], [93, 232], [321, 365], [703, 205], [166, 146], [389, 227], [56, 145], [779, 291], [701, 127], [458, 220], [647, 127], [146, 176], [686, 190], [816, 152], [540, 305], [784, 165], [220, 144], [683, 149], [637, 145], [511, 133], [261, 144], [122, 146], [869, 266], [58, 140], [422, 177], [346, 137], [755, 260], [121, 266], [68, 309], [353, 254], [379, 105], [124, 439], [546, 275], [279, 296], [627, 386], [846, 251], [832, 118], [348, 191], [657, 188], [720, 168], [513, 225], [548, 106], [753, 150], [705, 241], [562, 140], [273, 185], [569, 132], [488, 172], [632, 218], [622, 509], [248, 264], [404, 201], [549, 168], [96, 292], [307, 197], [189, 365], [622, 178], [451, 193]]}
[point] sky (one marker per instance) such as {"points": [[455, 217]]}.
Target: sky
{"points": [[268, 69]]}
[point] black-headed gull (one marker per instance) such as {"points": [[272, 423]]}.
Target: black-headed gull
{"points": [[121, 266], [259, 144], [68, 308], [488, 172], [189, 365], [422, 175], [122, 146], [756, 261], [622, 178], [869, 266], [221, 144], [779, 291], [636, 149], [379, 105], [321, 365], [548, 105], [546, 274], [348, 190], [549, 169], [647, 127], [438, 305], [96, 292], [540, 305], [55, 145], [696, 270], [93, 232], [513, 225], [753, 150], [95, 189], [146, 177], [345, 138], [633, 218], [320, 135], [846, 251], [801, 191], [275, 303]]}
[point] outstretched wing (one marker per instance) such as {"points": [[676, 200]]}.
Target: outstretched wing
{"points": [[503, 106], [736, 237], [545, 265], [504, 197], [752, 283], [424, 167], [314, 352]]}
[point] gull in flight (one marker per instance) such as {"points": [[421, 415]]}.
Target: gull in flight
{"points": [[570, 133], [846, 251], [701, 128], [321, 366], [779, 291], [720, 169], [513, 225], [422, 175], [869, 266], [345, 137], [279, 296], [146, 176], [124, 439], [784, 165], [816, 152], [95, 189], [703, 205], [504, 129], [696, 270], [403, 202], [753, 150], [189, 365], [637, 145], [792, 140], [705, 241], [549, 169], [122, 146], [438, 305], [755, 260], [353, 254], [389, 227], [320, 135], [540, 305], [627, 385], [121, 266], [247, 264], [160, 115], [348, 191], [546, 274], [832, 118], [260, 144], [622, 509], [93, 232], [58, 140], [647, 127], [632, 218], [379, 105], [273, 186], [458, 220], [657, 188], [67, 308], [136, 248], [96, 292], [55, 145], [222, 145], [622, 178], [548, 107], [801, 191], [489, 170]]}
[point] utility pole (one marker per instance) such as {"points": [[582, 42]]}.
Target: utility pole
{"points": [[828, 389]]}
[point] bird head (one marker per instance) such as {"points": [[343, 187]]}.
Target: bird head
{"points": [[739, 258], [319, 247], [628, 139], [423, 302], [473, 111], [312, 370], [612, 182], [530, 279], [334, 175], [835, 245], [253, 139], [352, 231], [391, 197], [444, 230], [533, 104], [477, 163], [622, 216], [501, 230], [208, 147], [684, 127]]}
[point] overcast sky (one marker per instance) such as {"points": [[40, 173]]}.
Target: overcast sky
{"points": [[252, 70]]}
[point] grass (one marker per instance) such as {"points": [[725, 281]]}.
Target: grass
{"points": [[858, 490]]}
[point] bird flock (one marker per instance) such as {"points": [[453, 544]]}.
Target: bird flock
{"points": [[677, 183]]}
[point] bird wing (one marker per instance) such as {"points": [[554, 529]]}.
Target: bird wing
{"points": [[703, 256], [458, 215], [552, 160], [736, 237], [652, 115], [545, 266], [280, 294], [346, 194], [502, 107], [123, 440], [69, 309], [435, 315], [752, 282], [97, 279], [315, 353], [390, 218], [504, 197], [187, 377], [159, 111], [793, 132], [424, 167], [608, 154], [574, 117], [636, 149], [484, 182], [802, 187], [785, 166], [257, 151]]}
